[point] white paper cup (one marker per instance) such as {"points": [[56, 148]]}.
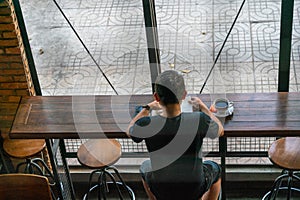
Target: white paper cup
{"points": [[186, 106]]}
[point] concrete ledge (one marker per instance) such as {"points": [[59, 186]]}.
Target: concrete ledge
{"points": [[233, 173]]}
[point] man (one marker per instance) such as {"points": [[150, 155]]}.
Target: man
{"points": [[174, 140]]}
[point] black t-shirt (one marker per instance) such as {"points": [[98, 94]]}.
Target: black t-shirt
{"points": [[174, 145]]}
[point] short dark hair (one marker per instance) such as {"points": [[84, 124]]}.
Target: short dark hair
{"points": [[170, 87]]}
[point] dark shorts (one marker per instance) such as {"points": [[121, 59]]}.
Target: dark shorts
{"points": [[212, 173], [211, 170]]}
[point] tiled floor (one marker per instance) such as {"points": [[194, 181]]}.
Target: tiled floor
{"points": [[190, 35]]}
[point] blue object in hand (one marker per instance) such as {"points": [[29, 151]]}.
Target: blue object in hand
{"points": [[138, 110]]}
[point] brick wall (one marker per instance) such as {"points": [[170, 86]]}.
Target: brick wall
{"points": [[15, 79]]}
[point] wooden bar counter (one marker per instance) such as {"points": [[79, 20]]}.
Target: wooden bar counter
{"points": [[255, 115]]}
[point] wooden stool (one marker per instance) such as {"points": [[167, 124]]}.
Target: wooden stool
{"points": [[285, 153], [100, 154], [26, 149]]}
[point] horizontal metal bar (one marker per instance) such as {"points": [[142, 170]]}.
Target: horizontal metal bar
{"points": [[247, 154], [210, 154]]}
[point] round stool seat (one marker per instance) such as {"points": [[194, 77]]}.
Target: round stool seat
{"points": [[99, 153], [285, 153], [23, 148]]}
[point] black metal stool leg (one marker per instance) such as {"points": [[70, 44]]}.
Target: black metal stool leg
{"points": [[296, 177], [114, 182], [29, 169], [275, 187], [102, 185], [130, 192], [289, 187], [278, 185], [41, 162], [48, 173], [37, 167], [19, 165], [105, 183], [90, 188]]}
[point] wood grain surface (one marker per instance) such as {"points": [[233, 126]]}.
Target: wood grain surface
{"points": [[255, 115], [285, 152]]}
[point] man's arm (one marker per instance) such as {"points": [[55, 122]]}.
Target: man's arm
{"points": [[143, 113], [202, 107]]}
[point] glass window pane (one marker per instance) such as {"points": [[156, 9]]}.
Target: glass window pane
{"points": [[113, 33]]}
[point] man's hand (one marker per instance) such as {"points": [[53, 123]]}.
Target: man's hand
{"points": [[197, 104], [213, 109], [154, 105]]}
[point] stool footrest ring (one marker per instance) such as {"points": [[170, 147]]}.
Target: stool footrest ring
{"points": [[110, 182], [103, 184], [290, 175], [281, 188]]}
